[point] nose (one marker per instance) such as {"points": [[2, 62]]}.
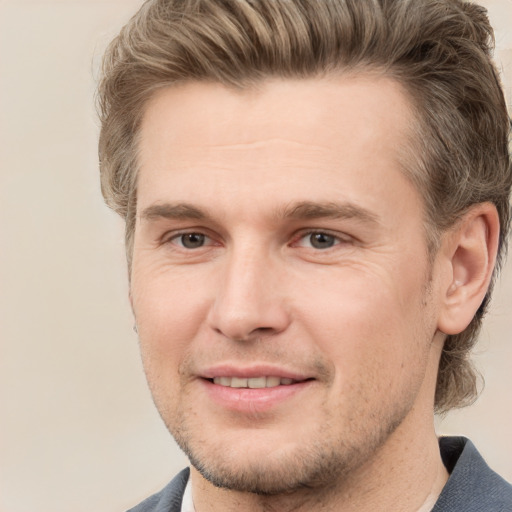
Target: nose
{"points": [[250, 300]]}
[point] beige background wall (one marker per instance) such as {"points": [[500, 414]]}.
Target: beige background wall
{"points": [[78, 431]]}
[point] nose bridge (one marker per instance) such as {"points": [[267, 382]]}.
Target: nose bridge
{"points": [[249, 299]]}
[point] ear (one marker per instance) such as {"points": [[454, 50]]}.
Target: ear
{"points": [[469, 255]]}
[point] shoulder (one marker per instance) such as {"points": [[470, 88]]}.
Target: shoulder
{"points": [[472, 486], [168, 499]]}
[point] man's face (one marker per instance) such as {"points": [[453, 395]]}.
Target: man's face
{"points": [[280, 282]]}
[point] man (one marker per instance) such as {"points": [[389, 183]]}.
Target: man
{"points": [[316, 193]]}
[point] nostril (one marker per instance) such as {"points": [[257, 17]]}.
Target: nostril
{"points": [[256, 334]]}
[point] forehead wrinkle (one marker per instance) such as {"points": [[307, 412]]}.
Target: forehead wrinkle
{"points": [[262, 143]]}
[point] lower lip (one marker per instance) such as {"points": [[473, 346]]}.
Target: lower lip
{"points": [[247, 400]]}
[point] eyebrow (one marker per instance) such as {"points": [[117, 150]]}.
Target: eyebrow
{"points": [[308, 210], [303, 210], [173, 212]]}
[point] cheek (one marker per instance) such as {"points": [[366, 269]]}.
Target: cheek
{"points": [[167, 321], [367, 323], [169, 313]]}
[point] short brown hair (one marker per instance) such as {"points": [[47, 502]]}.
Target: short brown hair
{"points": [[439, 50]]}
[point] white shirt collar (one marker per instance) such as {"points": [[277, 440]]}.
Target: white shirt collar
{"points": [[187, 504]]}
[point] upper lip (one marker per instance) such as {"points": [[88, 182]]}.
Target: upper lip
{"points": [[253, 371]]}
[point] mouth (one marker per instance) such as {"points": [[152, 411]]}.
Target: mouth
{"points": [[259, 389], [254, 382]]}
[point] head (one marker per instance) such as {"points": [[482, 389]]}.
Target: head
{"points": [[437, 50]]}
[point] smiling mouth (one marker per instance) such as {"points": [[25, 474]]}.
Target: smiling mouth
{"points": [[254, 382]]}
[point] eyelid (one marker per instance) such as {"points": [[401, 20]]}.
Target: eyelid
{"points": [[340, 237], [169, 236]]}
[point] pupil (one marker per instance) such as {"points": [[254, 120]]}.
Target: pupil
{"points": [[192, 240], [321, 240]]}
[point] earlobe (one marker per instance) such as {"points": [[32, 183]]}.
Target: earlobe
{"points": [[470, 250]]}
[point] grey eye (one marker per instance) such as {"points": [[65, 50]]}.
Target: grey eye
{"points": [[192, 240], [322, 240]]}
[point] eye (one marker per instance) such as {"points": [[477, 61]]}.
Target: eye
{"points": [[319, 240], [190, 240]]}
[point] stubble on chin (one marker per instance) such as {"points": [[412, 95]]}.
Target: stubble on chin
{"points": [[320, 463], [323, 455]]}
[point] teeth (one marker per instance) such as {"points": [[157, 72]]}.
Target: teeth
{"points": [[257, 382], [238, 383], [272, 382], [253, 382]]}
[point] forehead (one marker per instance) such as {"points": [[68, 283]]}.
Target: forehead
{"points": [[356, 104], [346, 130]]}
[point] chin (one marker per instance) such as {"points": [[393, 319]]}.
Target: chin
{"points": [[272, 468], [269, 476], [277, 457]]}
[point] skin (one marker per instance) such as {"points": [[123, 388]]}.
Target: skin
{"points": [[235, 192]]}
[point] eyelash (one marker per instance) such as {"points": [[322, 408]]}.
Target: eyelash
{"points": [[177, 236], [336, 239]]}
